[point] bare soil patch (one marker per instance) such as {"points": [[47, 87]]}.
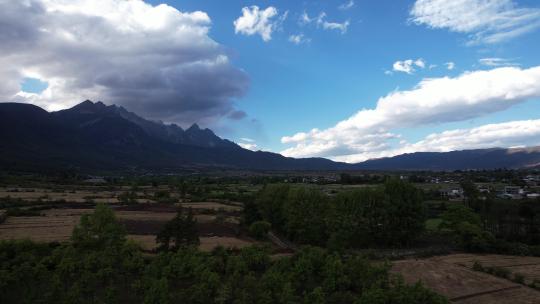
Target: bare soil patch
{"points": [[461, 284], [211, 206], [529, 267], [148, 242], [209, 243]]}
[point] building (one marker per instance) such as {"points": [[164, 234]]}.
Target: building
{"points": [[513, 192], [452, 193]]}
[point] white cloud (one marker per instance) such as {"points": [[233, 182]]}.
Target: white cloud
{"points": [[154, 60], [407, 66], [495, 62], [322, 22], [249, 146], [501, 135], [248, 143], [486, 21], [450, 65], [420, 63], [507, 134], [372, 132], [299, 39], [347, 5], [255, 21], [304, 19], [342, 27]]}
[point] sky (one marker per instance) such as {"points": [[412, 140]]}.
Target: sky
{"points": [[347, 80]]}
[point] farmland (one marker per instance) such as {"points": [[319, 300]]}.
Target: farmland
{"points": [[452, 276], [285, 218], [56, 225], [56, 210]]}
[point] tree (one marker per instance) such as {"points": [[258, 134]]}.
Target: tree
{"points": [[259, 229], [181, 230], [466, 227], [405, 212], [128, 197], [305, 214], [456, 214], [250, 213], [347, 219], [99, 230], [471, 193], [270, 201]]}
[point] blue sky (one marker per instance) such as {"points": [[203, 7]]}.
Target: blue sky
{"points": [[316, 84], [350, 54]]}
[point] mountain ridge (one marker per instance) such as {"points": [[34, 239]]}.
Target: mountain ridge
{"points": [[95, 136]]}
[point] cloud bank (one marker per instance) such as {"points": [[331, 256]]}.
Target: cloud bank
{"points": [[370, 132], [154, 60], [486, 21]]}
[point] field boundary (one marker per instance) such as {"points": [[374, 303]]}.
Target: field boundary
{"points": [[482, 293]]}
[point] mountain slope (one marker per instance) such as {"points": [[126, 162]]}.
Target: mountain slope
{"points": [[93, 136], [457, 160]]}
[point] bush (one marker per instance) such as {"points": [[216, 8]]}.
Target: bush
{"points": [[519, 278], [181, 231], [259, 229], [478, 267], [513, 248], [499, 272], [535, 284]]}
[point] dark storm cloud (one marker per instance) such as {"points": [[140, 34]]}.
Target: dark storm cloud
{"points": [[237, 115], [154, 60]]}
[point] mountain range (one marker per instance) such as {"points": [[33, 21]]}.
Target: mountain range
{"points": [[96, 137], [93, 136]]}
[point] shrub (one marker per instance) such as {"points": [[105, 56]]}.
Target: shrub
{"points": [[499, 272], [181, 231], [478, 267], [519, 278], [259, 229], [535, 284]]}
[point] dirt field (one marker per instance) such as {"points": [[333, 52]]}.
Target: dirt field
{"points": [[462, 285], [79, 195], [148, 242], [529, 267], [211, 206], [38, 228], [141, 222], [209, 243]]}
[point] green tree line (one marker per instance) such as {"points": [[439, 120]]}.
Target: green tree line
{"points": [[392, 214], [100, 265]]}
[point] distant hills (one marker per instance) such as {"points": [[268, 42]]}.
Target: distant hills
{"points": [[479, 159], [95, 137]]}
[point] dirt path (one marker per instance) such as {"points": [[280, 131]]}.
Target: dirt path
{"points": [[281, 243]]}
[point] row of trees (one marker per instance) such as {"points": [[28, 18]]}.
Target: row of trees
{"points": [[468, 229], [389, 215], [101, 266], [510, 220]]}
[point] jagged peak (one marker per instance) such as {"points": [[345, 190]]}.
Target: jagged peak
{"points": [[194, 127], [86, 102]]}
